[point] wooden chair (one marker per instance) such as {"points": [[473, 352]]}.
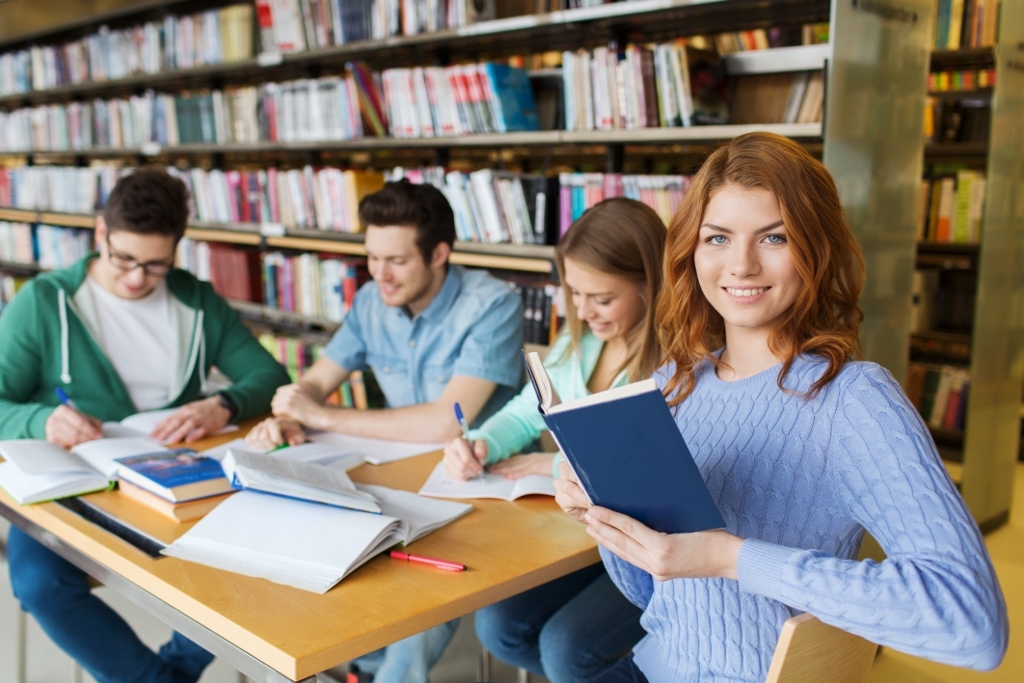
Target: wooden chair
{"points": [[810, 651]]}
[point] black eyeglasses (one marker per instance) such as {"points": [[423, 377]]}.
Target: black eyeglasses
{"points": [[127, 264]]}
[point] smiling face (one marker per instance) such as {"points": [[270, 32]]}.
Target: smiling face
{"points": [[395, 263], [743, 261], [610, 305], [131, 264]]}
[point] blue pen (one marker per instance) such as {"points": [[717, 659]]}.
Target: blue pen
{"points": [[465, 430], [68, 402]]}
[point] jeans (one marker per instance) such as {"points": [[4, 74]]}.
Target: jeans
{"points": [[57, 594], [569, 630], [624, 671], [408, 660]]}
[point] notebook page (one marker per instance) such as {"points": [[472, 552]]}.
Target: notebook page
{"points": [[35, 456], [440, 485], [144, 423]]}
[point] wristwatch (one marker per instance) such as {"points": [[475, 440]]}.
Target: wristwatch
{"points": [[228, 404]]}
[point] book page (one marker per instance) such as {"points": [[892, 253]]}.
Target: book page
{"points": [[547, 396], [419, 515], [36, 456], [102, 453], [609, 395], [375, 451]]}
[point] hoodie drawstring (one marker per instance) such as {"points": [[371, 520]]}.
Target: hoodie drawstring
{"points": [[65, 370]]}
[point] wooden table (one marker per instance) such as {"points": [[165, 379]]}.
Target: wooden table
{"points": [[272, 632]]}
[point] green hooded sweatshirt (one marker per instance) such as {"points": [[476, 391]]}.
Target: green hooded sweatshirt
{"points": [[46, 342]]}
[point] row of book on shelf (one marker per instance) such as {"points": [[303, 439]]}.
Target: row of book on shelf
{"points": [[489, 97], [962, 79], [46, 246], [677, 84], [490, 206], [296, 25], [965, 23], [940, 393], [176, 42], [952, 207]]}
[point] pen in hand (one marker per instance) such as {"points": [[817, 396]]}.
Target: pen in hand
{"points": [[465, 435]]}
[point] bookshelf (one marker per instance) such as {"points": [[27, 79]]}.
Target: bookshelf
{"points": [[986, 273], [875, 66], [992, 430]]}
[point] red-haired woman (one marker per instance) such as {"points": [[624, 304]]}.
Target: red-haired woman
{"points": [[802, 447]]}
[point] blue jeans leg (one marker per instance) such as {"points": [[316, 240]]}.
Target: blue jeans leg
{"points": [[409, 660], [57, 594], [624, 671], [569, 629]]}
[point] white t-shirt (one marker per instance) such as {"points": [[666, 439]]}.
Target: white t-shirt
{"points": [[138, 336]]}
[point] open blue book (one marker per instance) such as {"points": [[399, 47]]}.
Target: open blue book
{"points": [[628, 454]]}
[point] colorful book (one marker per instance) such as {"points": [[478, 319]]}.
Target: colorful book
{"points": [[175, 475]]}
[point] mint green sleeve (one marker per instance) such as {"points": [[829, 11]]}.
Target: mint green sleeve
{"points": [[519, 423], [21, 367]]}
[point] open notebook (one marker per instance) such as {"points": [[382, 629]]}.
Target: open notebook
{"points": [[375, 451], [35, 470], [307, 545], [440, 485]]}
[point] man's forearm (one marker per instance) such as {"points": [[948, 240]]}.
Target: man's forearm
{"points": [[426, 423]]}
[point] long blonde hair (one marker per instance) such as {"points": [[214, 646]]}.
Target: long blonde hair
{"points": [[626, 239], [825, 317]]}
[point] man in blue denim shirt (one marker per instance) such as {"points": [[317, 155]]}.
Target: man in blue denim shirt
{"points": [[433, 334]]}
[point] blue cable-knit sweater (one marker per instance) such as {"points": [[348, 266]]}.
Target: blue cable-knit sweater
{"points": [[801, 481]]}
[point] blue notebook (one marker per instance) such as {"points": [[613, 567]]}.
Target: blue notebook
{"points": [[628, 454]]}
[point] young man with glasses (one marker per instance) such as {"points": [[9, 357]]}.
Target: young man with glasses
{"points": [[121, 331]]}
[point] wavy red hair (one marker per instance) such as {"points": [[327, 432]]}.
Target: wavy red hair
{"points": [[825, 317]]}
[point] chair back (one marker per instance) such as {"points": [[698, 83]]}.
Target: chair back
{"points": [[810, 651]]}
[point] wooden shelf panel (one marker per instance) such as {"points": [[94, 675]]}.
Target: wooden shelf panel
{"points": [[545, 138], [534, 258], [960, 60]]}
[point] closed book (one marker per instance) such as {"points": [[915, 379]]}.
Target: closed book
{"points": [[179, 512], [663, 490], [515, 105], [176, 475]]}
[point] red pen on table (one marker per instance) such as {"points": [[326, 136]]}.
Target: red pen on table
{"points": [[440, 564]]}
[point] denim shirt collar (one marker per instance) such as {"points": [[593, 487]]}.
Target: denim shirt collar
{"points": [[437, 309]]}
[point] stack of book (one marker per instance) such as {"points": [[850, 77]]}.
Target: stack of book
{"points": [[939, 392], [180, 484], [47, 246], [952, 208], [493, 206], [211, 37], [580, 191]]}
